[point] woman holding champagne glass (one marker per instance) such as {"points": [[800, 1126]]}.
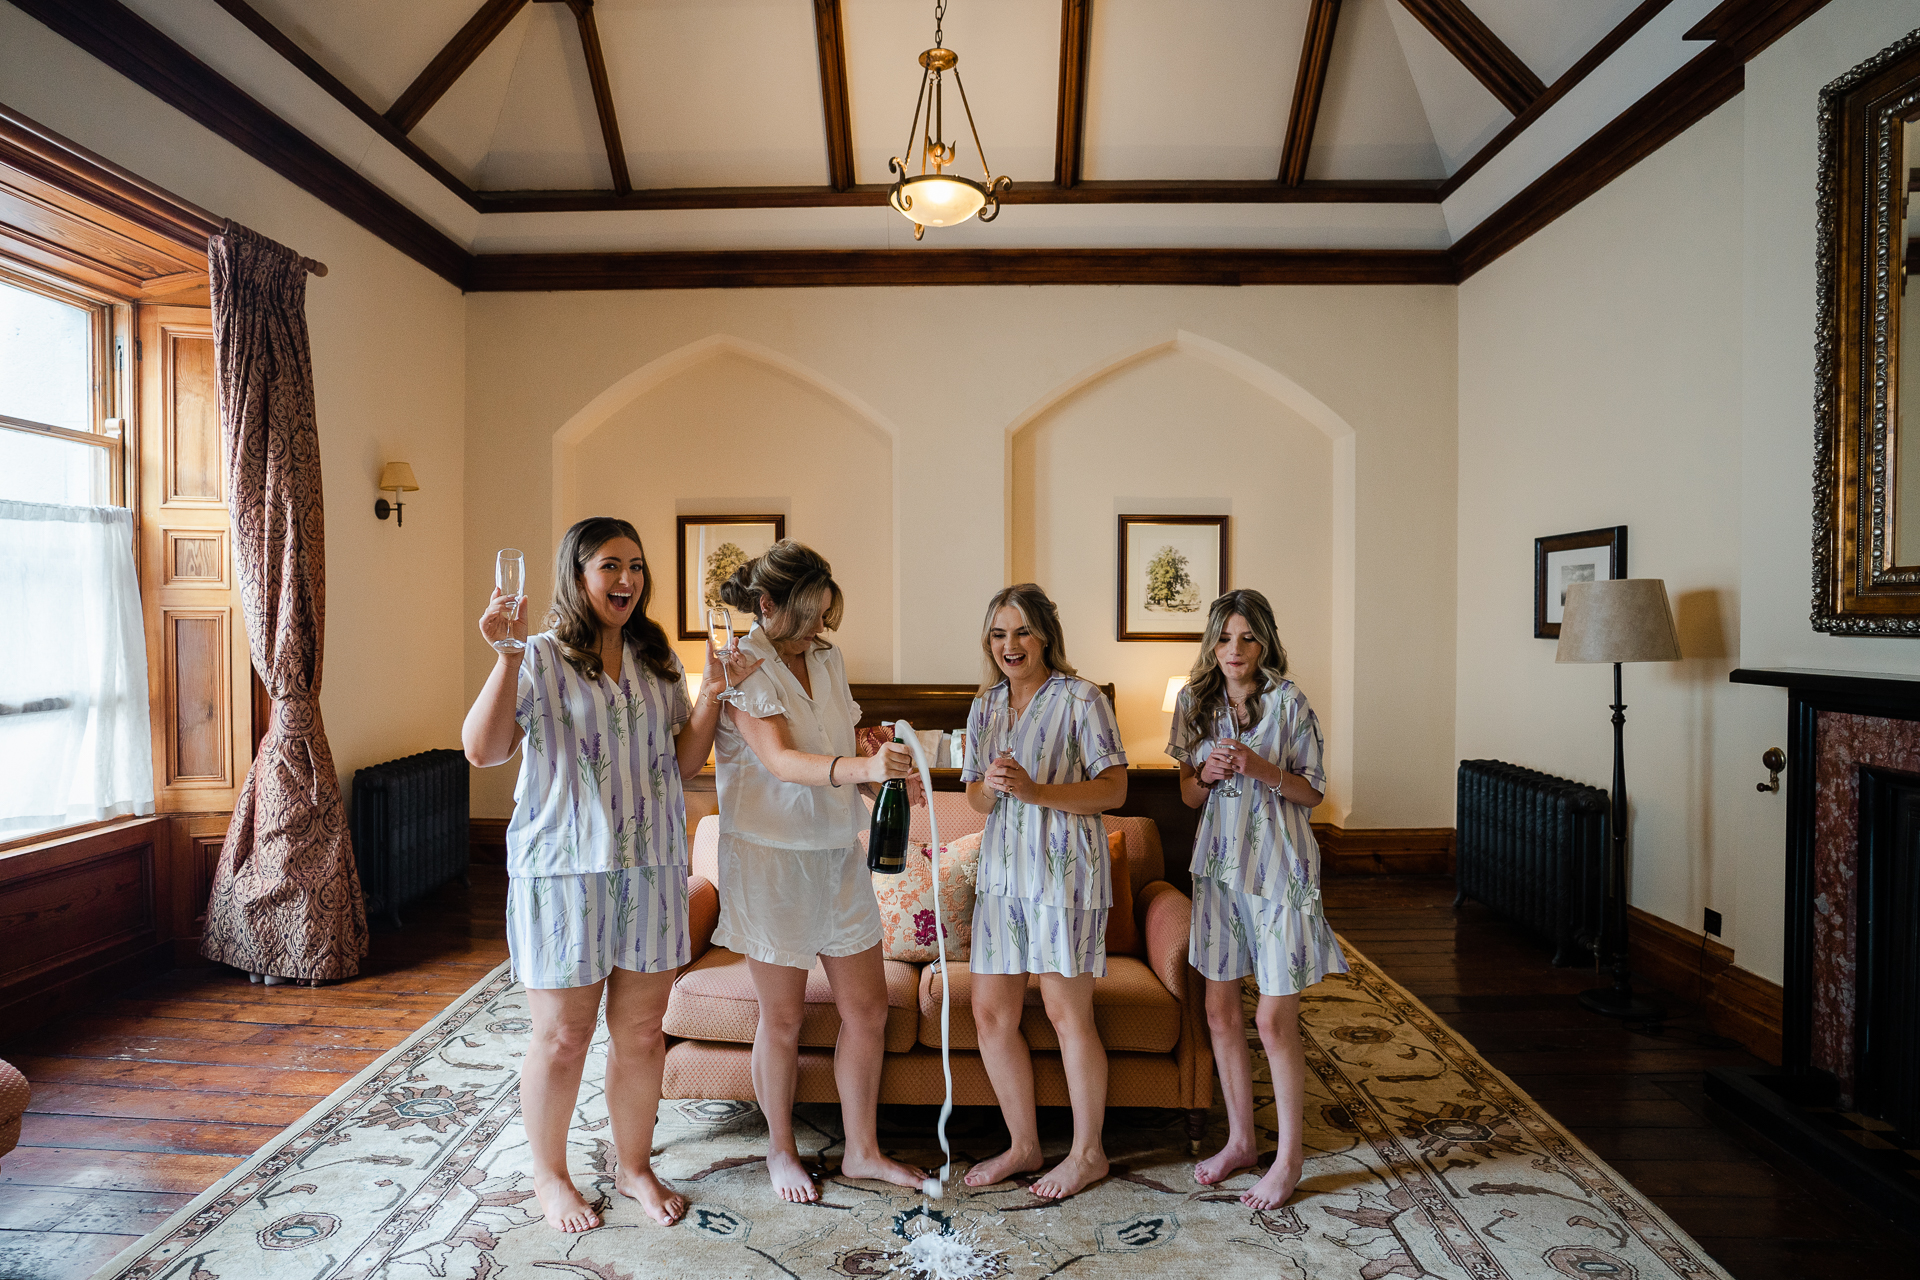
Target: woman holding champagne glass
{"points": [[1043, 761], [1249, 750], [597, 847], [794, 884]]}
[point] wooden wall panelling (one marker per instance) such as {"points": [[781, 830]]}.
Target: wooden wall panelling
{"points": [[1415, 851], [1700, 969], [199, 673], [79, 914]]}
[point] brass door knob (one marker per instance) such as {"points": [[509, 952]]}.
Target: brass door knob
{"points": [[1773, 761]]}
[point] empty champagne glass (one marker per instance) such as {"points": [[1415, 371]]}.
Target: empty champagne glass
{"points": [[510, 575], [1226, 733], [998, 742], [720, 636]]}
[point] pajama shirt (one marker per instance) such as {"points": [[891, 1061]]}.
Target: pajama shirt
{"points": [[1045, 882], [1256, 865], [597, 847]]}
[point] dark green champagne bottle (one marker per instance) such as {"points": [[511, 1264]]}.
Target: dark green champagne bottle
{"points": [[887, 834]]}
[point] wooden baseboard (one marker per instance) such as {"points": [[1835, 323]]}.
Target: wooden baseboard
{"points": [[1739, 1005], [1384, 850], [487, 840]]}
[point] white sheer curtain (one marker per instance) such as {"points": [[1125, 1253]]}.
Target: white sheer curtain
{"points": [[74, 733]]}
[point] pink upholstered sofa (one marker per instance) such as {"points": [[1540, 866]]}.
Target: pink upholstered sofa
{"points": [[1148, 1008]]}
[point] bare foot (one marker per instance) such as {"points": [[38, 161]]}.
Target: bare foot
{"points": [[1070, 1176], [560, 1200], [881, 1169], [1003, 1166], [791, 1181], [662, 1205], [1226, 1162], [1272, 1191]]}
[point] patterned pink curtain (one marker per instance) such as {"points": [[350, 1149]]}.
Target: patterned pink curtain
{"points": [[286, 897]]}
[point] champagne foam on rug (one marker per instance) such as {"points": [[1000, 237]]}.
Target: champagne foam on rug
{"points": [[950, 1257]]}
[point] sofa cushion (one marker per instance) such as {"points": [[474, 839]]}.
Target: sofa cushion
{"points": [[713, 999], [1131, 1010], [906, 901], [1123, 934]]}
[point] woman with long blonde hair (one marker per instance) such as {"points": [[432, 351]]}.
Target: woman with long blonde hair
{"points": [[597, 846], [1043, 762], [1256, 873]]}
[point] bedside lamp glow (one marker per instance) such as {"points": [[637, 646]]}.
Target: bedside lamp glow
{"points": [[1172, 700]]}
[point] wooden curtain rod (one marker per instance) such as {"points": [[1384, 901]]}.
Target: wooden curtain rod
{"points": [[313, 265]]}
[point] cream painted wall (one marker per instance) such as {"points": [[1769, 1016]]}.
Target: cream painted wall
{"points": [[732, 436], [388, 356], [950, 374], [1600, 385], [1173, 433]]}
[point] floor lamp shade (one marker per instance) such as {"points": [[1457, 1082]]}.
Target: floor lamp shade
{"points": [[1619, 620]]}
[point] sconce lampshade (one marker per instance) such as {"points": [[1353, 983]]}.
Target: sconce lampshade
{"points": [[1618, 620], [1174, 685], [398, 475]]}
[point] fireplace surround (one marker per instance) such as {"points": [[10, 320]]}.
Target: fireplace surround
{"points": [[1846, 1096]]}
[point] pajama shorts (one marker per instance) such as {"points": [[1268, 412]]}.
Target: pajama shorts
{"points": [[790, 906], [1013, 935], [1235, 934], [574, 930]]}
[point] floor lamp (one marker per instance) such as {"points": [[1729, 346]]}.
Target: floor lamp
{"points": [[1619, 620]]}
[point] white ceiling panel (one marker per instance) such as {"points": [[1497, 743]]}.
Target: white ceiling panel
{"points": [[1551, 35], [1010, 62], [376, 47], [458, 130], [1204, 96], [1461, 112], [1372, 122], [548, 134], [716, 93]]}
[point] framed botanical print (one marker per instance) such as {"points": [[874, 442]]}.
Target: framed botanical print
{"points": [[1592, 555], [1171, 569], [711, 548]]}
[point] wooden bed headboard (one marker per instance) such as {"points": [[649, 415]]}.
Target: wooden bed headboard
{"points": [[924, 706]]}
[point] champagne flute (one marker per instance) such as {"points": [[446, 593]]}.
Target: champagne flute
{"points": [[510, 575], [1001, 723], [720, 636], [1226, 733]]}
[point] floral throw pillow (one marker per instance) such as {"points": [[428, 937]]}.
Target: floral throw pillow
{"points": [[906, 902]]}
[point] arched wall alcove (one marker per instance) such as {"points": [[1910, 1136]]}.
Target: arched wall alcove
{"points": [[1188, 426], [725, 427]]}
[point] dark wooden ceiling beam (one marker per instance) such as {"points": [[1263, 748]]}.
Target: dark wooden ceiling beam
{"points": [[814, 268], [1070, 135], [1316, 51], [310, 67], [467, 44], [602, 94], [831, 38], [1480, 51], [1393, 191]]}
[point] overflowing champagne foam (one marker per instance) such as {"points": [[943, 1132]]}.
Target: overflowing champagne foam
{"points": [[934, 1256], [932, 1188]]}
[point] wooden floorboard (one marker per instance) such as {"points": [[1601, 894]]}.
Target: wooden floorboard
{"points": [[142, 1101]]}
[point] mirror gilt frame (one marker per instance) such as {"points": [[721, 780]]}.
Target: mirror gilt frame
{"points": [[1858, 588]]}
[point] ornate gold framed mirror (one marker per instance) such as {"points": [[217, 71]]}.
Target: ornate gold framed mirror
{"points": [[1866, 539]]}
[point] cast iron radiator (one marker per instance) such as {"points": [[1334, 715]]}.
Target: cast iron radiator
{"points": [[1533, 847], [409, 827]]}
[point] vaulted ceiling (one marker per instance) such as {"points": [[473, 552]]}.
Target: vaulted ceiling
{"points": [[474, 130]]}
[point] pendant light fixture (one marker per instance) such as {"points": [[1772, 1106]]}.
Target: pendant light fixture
{"points": [[938, 198]]}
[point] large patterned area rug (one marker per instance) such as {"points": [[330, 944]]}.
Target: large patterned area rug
{"points": [[1421, 1161]]}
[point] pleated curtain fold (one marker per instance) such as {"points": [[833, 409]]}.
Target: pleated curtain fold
{"points": [[286, 897]]}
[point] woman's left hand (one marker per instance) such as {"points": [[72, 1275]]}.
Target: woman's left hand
{"points": [[736, 666], [1006, 776]]}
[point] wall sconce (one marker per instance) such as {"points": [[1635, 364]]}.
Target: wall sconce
{"points": [[396, 478], [1174, 685]]}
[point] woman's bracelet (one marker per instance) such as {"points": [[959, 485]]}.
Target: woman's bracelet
{"points": [[831, 768]]}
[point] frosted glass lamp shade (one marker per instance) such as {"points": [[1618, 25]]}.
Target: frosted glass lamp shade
{"points": [[398, 475], [1174, 685], [1618, 620], [935, 200]]}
